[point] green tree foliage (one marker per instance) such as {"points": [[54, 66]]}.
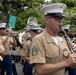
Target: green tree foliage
{"points": [[69, 3], [18, 8], [54, 1], [22, 18]]}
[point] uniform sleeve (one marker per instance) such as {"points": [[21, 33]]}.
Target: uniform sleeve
{"points": [[23, 39], [1, 47], [25, 49], [11, 39], [37, 52]]}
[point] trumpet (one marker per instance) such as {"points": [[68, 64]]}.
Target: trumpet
{"points": [[67, 41], [1, 58]]}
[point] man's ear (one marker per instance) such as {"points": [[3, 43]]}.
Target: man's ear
{"points": [[46, 19]]}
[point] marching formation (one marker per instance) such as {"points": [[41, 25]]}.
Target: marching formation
{"points": [[41, 51]]}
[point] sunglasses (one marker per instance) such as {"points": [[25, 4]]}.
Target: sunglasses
{"points": [[57, 17]]}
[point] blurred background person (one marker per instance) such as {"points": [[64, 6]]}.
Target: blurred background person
{"points": [[33, 29], [7, 39], [71, 71], [2, 49]]}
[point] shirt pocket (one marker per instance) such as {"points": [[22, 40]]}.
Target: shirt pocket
{"points": [[65, 52], [52, 53]]}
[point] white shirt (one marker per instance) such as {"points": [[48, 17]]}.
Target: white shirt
{"points": [[55, 39]]}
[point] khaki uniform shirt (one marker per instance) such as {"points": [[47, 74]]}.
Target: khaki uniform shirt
{"points": [[26, 48], [7, 46], [45, 50], [1, 45], [25, 37]]}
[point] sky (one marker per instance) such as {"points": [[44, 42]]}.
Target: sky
{"points": [[47, 0]]}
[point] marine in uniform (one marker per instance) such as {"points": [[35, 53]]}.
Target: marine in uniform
{"points": [[25, 37], [67, 30], [2, 49], [49, 52], [33, 28], [6, 64], [71, 71]]}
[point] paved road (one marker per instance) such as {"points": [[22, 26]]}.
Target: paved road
{"points": [[19, 69], [66, 73]]}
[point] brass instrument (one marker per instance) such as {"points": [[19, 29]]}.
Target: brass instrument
{"points": [[1, 58], [67, 40]]}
